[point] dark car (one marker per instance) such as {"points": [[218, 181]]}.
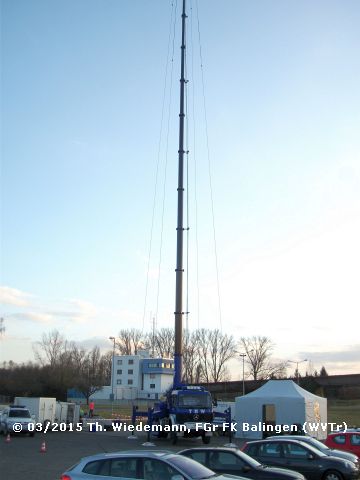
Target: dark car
{"points": [[235, 462], [304, 458], [322, 447]]}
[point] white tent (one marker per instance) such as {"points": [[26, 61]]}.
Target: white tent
{"points": [[280, 402]]}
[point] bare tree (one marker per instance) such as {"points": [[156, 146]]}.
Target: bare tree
{"points": [[106, 359], [258, 350], [92, 372], [123, 343], [164, 343], [216, 349], [323, 372], [51, 348], [56, 355], [222, 348], [204, 353], [130, 341], [78, 354], [192, 368]]}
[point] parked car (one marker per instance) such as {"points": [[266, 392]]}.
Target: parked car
{"points": [[235, 462], [154, 465], [17, 419], [348, 440], [322, 447], [303, 458]]}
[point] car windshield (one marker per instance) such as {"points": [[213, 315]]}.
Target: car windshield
{"points": [[249, 460], [317, 444], [313, 449], [194, 400], [191, 468], [19, 413]]}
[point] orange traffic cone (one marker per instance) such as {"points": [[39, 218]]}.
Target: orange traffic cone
{"points": [[8, 438], [43, 448]]}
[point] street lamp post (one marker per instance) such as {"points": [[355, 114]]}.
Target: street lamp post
{"points": [[113, 373], [297, 367], [243, 355]]}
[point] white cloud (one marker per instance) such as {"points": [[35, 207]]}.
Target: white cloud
{"points": [[21, 306], [36, 317], [15, 297], [103, 343], [348, 353], [83, 311]]}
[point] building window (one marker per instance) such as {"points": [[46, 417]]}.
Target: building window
{"points": [[119, 362], [131, 362], [152, 385], [119, 382], [130, 372], [155, 365], [119, 372], [152, 375], [130, 382]]}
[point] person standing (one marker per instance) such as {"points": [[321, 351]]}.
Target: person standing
{"points": [[91, 409]]}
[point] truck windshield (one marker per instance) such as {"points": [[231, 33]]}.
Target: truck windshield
{"points": [[194, 400], [19, 413]]}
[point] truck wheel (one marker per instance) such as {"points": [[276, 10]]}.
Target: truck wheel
{"points": [[206, 440]]}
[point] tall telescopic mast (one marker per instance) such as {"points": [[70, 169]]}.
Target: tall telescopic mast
{"points": [[180, 215]]}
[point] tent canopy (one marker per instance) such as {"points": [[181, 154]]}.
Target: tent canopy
{"points": [[281, 388], [279, 402]]}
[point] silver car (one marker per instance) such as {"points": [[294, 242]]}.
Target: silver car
{"points": [[322, 447], [16, 419], [154, 465]]}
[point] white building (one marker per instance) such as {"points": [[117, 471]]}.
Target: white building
{"points": [[140, 377]]}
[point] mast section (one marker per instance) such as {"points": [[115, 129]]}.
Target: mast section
{"points": [[180, 216]]}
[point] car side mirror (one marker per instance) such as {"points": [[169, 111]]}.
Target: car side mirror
{"points": [[311, 456], [246, 468]]}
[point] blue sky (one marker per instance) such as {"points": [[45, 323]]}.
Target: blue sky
{"points": [[82, 91]]}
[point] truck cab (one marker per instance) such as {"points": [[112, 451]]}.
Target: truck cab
{"points": [[191, 407]]}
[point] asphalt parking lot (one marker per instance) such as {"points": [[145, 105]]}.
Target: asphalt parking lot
{"points": [[21, 459]]}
